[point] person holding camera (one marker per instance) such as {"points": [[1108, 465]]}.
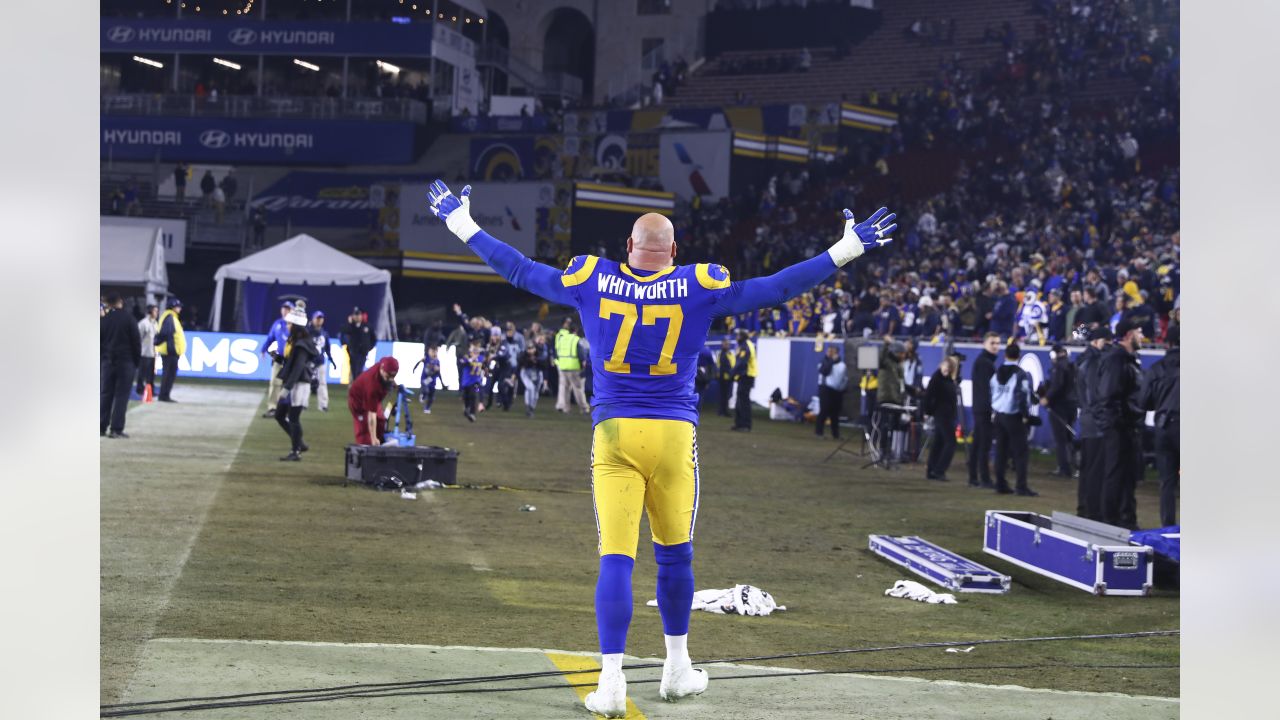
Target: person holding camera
{"points": [[833, 378], [1011, 406], [941, 402]]}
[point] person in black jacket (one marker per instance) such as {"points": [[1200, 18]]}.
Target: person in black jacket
{"points": [[120, 351], [1059, 396], [940, 401], [1089, 490], [301, 357], [1160, 393], [980, 377], [724, 376], [358, 339], [1119, 420]]}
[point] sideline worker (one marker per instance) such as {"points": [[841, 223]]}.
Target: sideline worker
{"points": [[570, 366], [364, 400], [120, 350], [744, 371], [171, 343]]}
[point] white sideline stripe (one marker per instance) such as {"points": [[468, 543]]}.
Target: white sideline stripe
{"points": [[580, 653]]}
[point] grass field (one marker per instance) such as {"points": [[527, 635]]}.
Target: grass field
{"points": [[286, 552]]}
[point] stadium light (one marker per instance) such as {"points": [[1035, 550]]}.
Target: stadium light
{"points": [[307, 65], [227, 63], [148, 61], [388, 67], [481, 21]]}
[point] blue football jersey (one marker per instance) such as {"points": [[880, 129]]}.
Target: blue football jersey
{"points": [[645, 330]]}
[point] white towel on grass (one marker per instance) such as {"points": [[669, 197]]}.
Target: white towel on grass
{"points": [[913, 590], [737, 600]]}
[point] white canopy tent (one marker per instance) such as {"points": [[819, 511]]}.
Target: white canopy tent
{"points": [[134, 256], [304, 260]]}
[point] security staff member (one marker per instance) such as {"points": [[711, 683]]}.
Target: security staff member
{"points": [[274, 344], [1160, 393], [1060, 398], [570, 366], [1089, 490], [984, 367], [941, 401], [171, 343], [1120, 420], [358, 339], [744, 372], [120, 350], [1011, 405], [724, 375]]}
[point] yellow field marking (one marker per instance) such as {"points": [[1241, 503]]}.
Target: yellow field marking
{"points": [[590, 674]]}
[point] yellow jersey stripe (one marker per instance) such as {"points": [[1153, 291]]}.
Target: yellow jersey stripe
{"points": [[584, 272], [665, 271], [703, 272]]}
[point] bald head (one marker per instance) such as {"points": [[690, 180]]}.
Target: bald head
{"points": [[652, 245]]}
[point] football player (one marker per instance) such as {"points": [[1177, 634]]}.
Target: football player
{"points": [[646, 320]]}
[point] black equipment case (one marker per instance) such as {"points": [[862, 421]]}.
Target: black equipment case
{"points": [[396, 467]]}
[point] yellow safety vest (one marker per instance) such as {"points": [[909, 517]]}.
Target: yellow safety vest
{"points": [[567, 351], [179, 340], [751, 358]]}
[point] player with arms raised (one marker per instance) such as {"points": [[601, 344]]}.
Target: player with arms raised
{"points": [[646, 320]]}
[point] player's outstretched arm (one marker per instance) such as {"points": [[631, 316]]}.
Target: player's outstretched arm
{"points": [[526, 274], [789, 282]]}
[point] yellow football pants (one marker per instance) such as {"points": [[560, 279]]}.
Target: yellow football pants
{"points": [[642, 464]]}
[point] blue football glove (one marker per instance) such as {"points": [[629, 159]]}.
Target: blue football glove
{"points": [[455, 212], [862, 236]]}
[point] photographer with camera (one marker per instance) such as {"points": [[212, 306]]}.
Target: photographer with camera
{"points": [[941, 402], [1011, 405]]}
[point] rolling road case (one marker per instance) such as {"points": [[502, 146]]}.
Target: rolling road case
{"points": [[1082, 553], [951, 571], [394, 468]]}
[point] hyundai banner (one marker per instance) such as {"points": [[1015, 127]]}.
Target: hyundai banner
{"points": [[266, 140], [246, 37]]}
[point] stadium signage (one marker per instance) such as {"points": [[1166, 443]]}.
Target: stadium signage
{"points": [[268, 38], [255, 140]]}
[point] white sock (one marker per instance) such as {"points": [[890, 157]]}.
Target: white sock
{"points": [[611, 663], [677, 648]]}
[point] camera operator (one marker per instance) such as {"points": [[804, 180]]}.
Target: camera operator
{"points": [[1089, 491], [1120, 420], [1059, 396], [833, 378], [889, 390], [1160, 392], [984, 368], [941, 401], [300, 357], [1011, 404]]}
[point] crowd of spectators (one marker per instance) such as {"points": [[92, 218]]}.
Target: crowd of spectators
{"points": [[763, 63], [1052, 223]]}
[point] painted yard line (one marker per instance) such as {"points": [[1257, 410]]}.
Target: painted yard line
{"points": [[590, 674], [452, 529], [581, 653]]}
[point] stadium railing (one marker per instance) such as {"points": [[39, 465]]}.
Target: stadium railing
{"points": [[325, 108]]}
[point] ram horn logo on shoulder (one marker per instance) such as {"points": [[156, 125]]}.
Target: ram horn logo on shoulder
{"points": [[215, 139], [242, 36], [120, 34]]}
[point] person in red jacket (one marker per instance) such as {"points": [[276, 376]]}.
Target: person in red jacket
{"points": [[364, 399]]}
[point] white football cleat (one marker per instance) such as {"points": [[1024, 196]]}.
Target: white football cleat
{"points": [[610, 696], [681, 679]]}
